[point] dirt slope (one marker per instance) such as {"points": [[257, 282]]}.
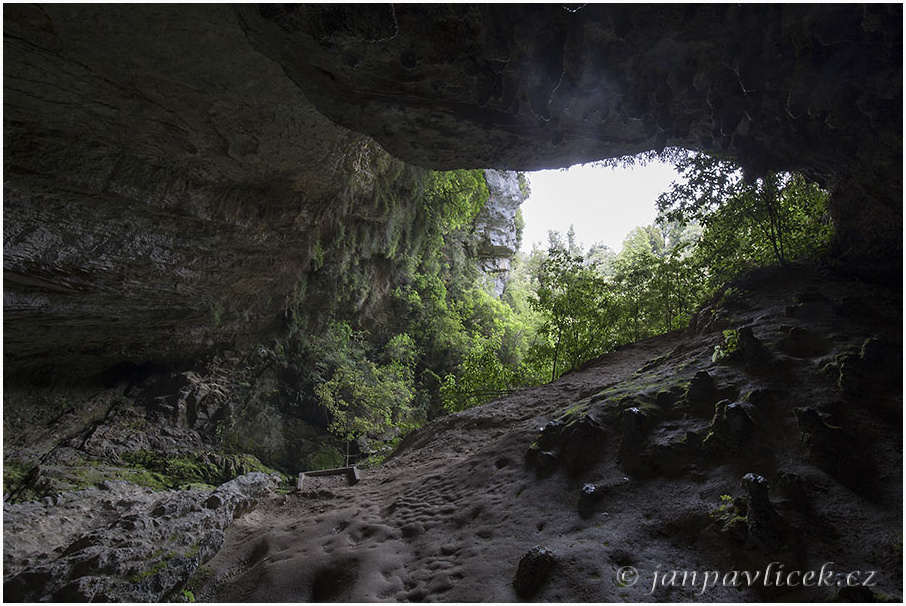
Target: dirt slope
{"points": [[802, 401]]}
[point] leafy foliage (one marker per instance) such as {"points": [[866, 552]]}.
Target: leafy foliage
{"points": [[366, 399], [454, 198], [444, 343], [770, 220], [578, 308]]}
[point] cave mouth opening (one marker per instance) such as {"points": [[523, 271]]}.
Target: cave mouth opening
{"points": [[602, 202]]}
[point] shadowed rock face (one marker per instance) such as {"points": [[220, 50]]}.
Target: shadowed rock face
{"points": [[165, 185], [168, 170], [810, 88]]}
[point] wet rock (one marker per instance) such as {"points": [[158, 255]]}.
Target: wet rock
{"points": [[589, 498], [880, 354], [582, 445], [666, 399], [187, 400], [574, 441], [756, 356], [673, 453], [633, 424], [701, 394], [731, 428], [803, 343], [811, 306], [835, 450], [544, 462], [873, 376], [533, 571], [752, 520], [860, 595], [168, 535], [765, 529]]}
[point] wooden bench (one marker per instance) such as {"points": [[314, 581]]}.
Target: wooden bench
{"points": [[351, 473]]}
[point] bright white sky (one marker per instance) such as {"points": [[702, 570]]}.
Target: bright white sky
{"points": [[603, 204]]}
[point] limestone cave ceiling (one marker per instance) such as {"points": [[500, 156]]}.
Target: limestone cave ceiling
{"points": [[530, 86], [166, 165]]}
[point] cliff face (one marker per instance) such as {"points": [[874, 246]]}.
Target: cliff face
{"points": [[171, 171], [166, 187], [815, 88], [495, 226], [182, 181]]}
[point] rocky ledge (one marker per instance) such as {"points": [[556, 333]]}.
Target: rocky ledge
{"points": [[118, 542]]}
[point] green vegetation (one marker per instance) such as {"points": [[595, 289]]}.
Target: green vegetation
{"points": [[194, 470], [156, 568], [577, 306], [728, 347], [365, 398], [724, 511], [745, 224], [14, 474], [444, 343]]}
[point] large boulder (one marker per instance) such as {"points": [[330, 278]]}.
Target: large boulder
{"points": [[120, 542]]}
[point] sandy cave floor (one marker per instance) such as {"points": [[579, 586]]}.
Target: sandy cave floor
{"points": [[437, 521], [449, 517]]}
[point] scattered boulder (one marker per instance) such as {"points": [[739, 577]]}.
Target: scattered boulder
{"points": [[575, 441], [766, 530], [589, 498], [701, 394], [752, 520], [533, 571], [731, 428], [756, 356], [582, 444], [633, 424]]}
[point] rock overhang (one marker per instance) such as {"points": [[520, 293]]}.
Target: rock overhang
{"points": [[213, 137]]}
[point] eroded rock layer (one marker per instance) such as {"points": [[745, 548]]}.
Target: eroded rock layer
{"points": [[170, 171], [814, 88]]}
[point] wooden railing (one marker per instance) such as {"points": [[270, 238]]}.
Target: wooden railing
{"points": [[351, 473]]}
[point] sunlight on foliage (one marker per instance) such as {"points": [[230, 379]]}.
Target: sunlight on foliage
{"points": [[444, 343]]}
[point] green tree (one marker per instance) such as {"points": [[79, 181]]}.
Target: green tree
{"points": [[772, 219], [635, 268], [366, 400], [454, 198], [577, 307]]}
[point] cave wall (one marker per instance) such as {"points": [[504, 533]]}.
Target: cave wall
{"points": [[814, 88], [170, 171], [165, 186]]}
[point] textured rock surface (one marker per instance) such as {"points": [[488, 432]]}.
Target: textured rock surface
{"points": [[495, 226], [169, 172], [118, 543], [165, 185], [811, 87], [449, 517]]}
